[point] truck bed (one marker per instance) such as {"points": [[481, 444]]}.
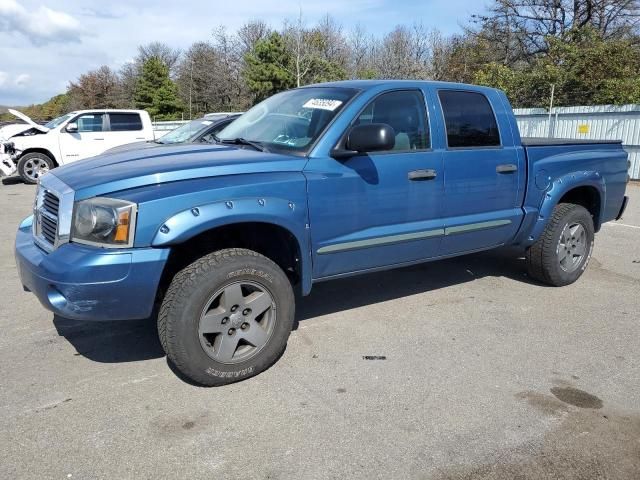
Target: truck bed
{"points": [[552, 142]]}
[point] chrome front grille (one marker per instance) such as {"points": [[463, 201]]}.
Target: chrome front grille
{"points": [[49, 217], [51, 203], [52, 213]]}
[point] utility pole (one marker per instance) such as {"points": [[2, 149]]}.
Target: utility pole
{"points": [[190, 86], [553, 89]]}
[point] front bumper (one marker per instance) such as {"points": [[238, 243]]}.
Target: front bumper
{"points": [[87, 283], [7, 165]]}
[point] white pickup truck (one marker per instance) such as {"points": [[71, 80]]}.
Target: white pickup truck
{"points": [[36, 149]]}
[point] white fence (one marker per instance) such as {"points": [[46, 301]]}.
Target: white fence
{"points": [[600, 122], [160, 128]]}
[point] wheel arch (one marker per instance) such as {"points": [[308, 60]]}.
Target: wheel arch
{"points": [[274, 241], [584, 188], [587, 196], [40, 150], [274, 227]]}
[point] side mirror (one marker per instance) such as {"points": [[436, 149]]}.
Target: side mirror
{"points": [[371, 137], [72, 127]]}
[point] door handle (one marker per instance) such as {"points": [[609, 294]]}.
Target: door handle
{"points": [[419, 175], [98, 138], [507, 168]]}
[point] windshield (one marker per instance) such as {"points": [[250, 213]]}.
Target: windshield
{"points": [[57, 121], [186, 132], [289, 121]]}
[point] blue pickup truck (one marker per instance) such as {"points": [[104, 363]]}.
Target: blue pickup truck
{"points": [[312, 184]]}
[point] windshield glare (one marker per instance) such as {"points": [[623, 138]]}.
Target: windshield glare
{"points": [[186, 132], [290, 121], [57, 121]]}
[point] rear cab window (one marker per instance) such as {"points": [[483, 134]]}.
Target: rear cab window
{"points": [[469, 119], [125, 122]]}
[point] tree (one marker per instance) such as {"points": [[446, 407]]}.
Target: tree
{"points": [[268, 67], [231, 88], [196, 79], [98, 88], [584, 67], [155, 92], [251, 33], [588, 49], [405, 53], [131, 71], [297, 43], [328, 52], [361, 49], [330, 43], [520, 29], [163, 52]]}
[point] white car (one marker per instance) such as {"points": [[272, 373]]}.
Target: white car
{"points": [[35, 150]]}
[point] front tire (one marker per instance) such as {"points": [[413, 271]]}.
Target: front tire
{"points": [[33, 165], [226, 317], [562, 253]]}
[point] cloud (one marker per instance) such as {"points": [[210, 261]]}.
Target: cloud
{"points": [[6, 80], [41, 25], [55, 41], [22, 80], [100, 13]]}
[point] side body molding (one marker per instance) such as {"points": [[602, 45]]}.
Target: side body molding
{"points": [[271, 210]]}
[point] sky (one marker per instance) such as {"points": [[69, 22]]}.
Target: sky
{"points": [[45, 44]]}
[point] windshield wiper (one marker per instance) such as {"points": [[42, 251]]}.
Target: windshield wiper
{"points": [[243, 141]]}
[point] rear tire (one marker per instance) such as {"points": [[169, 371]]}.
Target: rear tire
{"points": [[562, 253], [33, 165], [226, 317]]}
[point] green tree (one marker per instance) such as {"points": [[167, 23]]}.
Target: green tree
{"points": [[590, 69], [155, 92], [268, 67], [583, 66]]}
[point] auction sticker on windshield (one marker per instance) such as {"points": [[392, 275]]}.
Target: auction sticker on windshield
{"points": [[323, 104]]}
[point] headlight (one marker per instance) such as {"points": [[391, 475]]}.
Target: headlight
{"points": [[105, 222]]}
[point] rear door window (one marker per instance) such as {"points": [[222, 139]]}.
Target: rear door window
{"points": [[469, 119], [125, 122], [90, 122]]}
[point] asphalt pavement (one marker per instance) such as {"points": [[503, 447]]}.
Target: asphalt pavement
{"points": [[459, 369]]}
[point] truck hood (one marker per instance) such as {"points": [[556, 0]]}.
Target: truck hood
{"points": [[12, 129], [127, 147], [114, 172], [24, 118]]}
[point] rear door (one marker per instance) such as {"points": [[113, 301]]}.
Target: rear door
{"points": [[124, 127], [88, 141], [484, 169]]}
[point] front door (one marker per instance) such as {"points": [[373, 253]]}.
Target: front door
{"points": [[483, 172], [382, 208], [88, 141]]}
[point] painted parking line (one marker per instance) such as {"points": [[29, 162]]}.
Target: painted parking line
{"points": [[622, 225]]}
